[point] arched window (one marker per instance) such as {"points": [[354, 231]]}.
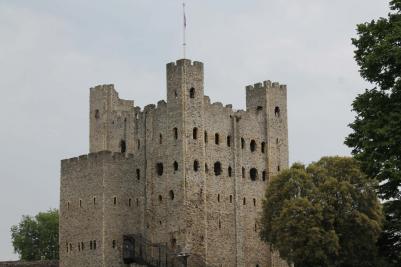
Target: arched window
{"points": [[205, 137], [217, 168], [175, 165], [262, 147], [97, 114], [171, 194], [123, 146], [175, 132], [115, 201], [195, 133], [229, 171], [253, 173], [159, 168], [277, 111], [242, 143], [196, 165], [252, 145], [192, 92], [216, 139], [228, 140], [160, 139]]}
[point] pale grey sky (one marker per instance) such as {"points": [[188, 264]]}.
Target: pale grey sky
{"points": [[52, 51]]}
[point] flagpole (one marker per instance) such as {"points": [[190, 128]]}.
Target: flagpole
{"points": [[184, 43]]}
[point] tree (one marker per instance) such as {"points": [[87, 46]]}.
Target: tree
{"points": [[324, 215], [376, 136], [37, 238]]}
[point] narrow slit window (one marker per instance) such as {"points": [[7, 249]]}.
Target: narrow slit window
{"points": [[171, 194], [175, 165], [262, 147], [254, 202], [129, 202], [231, 199], [97, 114], [192, 92], [216, 139], [229, 171], [218, 197], [242, 143], [205, 137], [243, 172], [94, 201], [228, 141], [244, 201], [264, 175], [115, 201], [138, 174], [195, 133], [175, 132], [114, 244], [160, 139], [123, 146], [196, 165]]}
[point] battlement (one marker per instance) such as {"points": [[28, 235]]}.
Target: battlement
{"points": [[101, 155], [103, 87], [187, 62], [266, 84]]}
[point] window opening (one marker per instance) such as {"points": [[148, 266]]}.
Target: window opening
{"points": [[160, 139], [253, 174], [254, 202], [231, 199], [160, 198], [129, 202], [196, 165], [244, 201], [217, 168], [175, 131], [216, 139], [97, 115], [195, 133], [138, 174], [175, 165], [218, 197], [205, 137], [229, 171], [242, 143], [171, 193], [262, 148], [115, 201], [159, 168], [264, 175], [243, 172], [277, 111], [192, 92], [123, 146], [114, 244], [228, 141], [252, 145]]}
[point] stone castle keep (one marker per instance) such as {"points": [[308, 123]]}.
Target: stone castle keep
{"points": [[183, 179]]}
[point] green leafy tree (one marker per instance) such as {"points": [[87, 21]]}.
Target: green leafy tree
{"points": [[324, 215], [37, 238], [376, 136]]}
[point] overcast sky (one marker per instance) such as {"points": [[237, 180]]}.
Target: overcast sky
{"points": [[52, 51]]}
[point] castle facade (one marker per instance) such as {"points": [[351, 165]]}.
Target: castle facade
{"points": [[177, 183]]}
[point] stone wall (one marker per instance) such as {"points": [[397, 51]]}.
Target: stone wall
{"points": [[199, 171]]}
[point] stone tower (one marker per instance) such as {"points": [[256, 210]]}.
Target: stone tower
{"points": [[186, 174]]}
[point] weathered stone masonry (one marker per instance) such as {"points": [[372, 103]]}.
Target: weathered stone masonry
{"points": [[187, 172]]}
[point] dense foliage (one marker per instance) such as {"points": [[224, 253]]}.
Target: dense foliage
{"points": [[326, 214], [376, 136], [36, 238]]}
